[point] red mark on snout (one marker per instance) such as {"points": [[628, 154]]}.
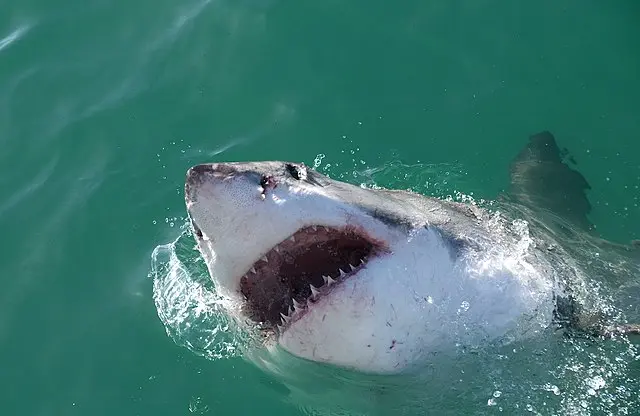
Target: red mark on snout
{"points": [[267, 182], [394, 343]]}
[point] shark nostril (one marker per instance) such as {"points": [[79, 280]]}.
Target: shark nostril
{"points": [[267, 182]]}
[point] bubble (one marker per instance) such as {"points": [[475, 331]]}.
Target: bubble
{"points": [[318, 160]]}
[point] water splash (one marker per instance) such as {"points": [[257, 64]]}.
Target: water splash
{"points": [[187, 303]]}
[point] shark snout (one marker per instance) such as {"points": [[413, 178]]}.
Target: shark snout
{"points": [[197, 173], [206, 172], [199, 170]]}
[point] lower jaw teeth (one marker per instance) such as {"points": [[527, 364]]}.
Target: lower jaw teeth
{"points": [[328, 280], [315, 292], [285, 318]]}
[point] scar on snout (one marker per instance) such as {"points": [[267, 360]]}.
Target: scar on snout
{"points": [[394, 343]]}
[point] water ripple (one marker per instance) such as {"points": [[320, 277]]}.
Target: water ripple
{"points": [[13, 36], [29, 189]]}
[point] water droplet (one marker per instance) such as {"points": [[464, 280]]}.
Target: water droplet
{"points": [[552, 388], [197, 406]]}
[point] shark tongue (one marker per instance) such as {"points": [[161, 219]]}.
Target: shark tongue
{"points": [[292, 275]]}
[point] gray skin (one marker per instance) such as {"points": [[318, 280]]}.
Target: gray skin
{"points": [[544, 190]]}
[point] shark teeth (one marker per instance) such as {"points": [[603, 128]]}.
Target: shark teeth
{"points": [[314, 292], [285, 318], [293, 313], [273, 266], [328, 280]]}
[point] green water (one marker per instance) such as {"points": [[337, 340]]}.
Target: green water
{"points": [[104, 105]]}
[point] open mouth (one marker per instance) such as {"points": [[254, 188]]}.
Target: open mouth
{"points": [[282, 285]]}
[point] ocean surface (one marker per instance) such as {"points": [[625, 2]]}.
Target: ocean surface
{"points": [[104, 105]]}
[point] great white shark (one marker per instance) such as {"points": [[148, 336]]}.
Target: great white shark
{"points": [[378, 280]]}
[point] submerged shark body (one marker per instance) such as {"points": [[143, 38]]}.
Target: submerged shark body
{"points": [[377, 280]]}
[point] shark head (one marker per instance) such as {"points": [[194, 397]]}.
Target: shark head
{"points": [[333, 272]]}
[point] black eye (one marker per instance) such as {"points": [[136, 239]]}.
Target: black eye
{"points": [[295, 171]]}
